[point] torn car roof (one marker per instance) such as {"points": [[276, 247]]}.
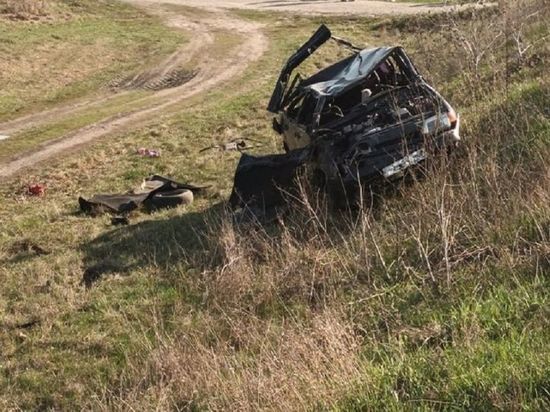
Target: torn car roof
{"points": [[337, 78]]}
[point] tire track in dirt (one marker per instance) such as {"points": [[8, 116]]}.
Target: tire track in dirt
{"points": [[177, 59], [213, 72]]}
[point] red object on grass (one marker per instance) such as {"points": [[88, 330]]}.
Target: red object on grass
{"points": [[37, 190]]}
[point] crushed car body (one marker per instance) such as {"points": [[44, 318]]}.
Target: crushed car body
{"points": [[362, 120]]}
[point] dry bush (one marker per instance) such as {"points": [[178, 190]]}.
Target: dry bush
{"points": [[520, 16], [482, 51], [239, 362]]}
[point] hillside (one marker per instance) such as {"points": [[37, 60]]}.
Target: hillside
{"points": [[438, 299], [58, 59]]}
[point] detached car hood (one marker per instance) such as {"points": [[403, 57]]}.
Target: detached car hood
{"points": [[320, 37]]}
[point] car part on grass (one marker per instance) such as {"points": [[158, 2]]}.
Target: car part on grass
{"points": [[155, 193], [361, 121], [152, 153], [234, 145], [262, 180], [27, 246]]}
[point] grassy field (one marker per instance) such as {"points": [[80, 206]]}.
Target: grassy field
{"points": [[439, 301], [63, 51]]}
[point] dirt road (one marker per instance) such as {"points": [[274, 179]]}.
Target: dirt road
{"points": [[363, 7], [210, 75]]}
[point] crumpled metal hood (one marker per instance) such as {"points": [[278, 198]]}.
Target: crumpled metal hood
{"points": [[332, 80]]}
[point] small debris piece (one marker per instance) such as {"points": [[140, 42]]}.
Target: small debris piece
{"points": [[235, 145], [36, 189], [28, 324], [27, 246], [4, 136], [152, 153]]}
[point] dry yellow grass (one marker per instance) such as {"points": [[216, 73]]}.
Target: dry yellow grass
{"points": [[294, 366]]}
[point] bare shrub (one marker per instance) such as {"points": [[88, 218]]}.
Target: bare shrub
{"points": [[520, 17], [482, 49], [477, 39]]}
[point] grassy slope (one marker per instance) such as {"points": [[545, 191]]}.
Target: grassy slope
{"points": [[191, 312], [75, 53], [70, 53]]}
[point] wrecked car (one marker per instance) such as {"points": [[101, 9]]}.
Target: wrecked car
{"points": [[363, 120]]}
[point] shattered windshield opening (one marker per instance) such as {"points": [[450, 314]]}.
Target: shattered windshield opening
{"points": [[389, 75], [383, 79]]}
